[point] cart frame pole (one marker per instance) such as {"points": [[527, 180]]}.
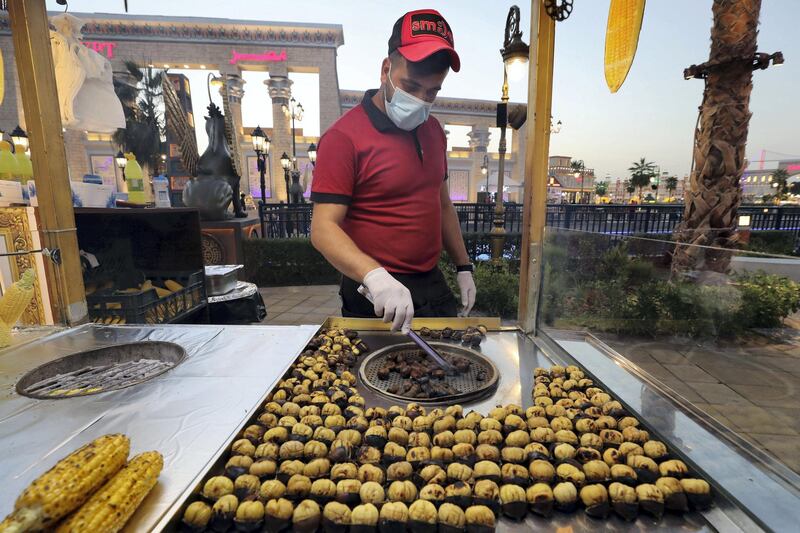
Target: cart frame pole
{"points": [[540, 97], [31, 34]]}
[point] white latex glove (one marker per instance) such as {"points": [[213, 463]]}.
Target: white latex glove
{"points": [[392, 300], [466, 287]]}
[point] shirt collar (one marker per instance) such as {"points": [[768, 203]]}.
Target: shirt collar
{"points": [[379, 119]]}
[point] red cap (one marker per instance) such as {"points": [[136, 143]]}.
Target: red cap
{"points": [[422, 33]]}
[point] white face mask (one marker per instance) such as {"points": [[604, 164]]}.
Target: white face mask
{"points": [[406, 110]]}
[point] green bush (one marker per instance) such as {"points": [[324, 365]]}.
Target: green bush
{"points": [[497, 286], [767, 299], [772, 242], [280, 262], [625, 295]]}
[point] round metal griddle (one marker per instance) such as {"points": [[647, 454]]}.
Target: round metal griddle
{"points": [[100, 370], [471, 389]]}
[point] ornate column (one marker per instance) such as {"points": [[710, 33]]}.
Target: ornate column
{"points": [[235, 85], [478, 143], [280, 90]]}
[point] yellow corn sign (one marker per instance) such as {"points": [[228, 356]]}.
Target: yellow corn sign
{"points": [[622, 38]]}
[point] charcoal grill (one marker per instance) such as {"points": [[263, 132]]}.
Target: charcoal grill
{"points": [[100, 370], [471, 389]]}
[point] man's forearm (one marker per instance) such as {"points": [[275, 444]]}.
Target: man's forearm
{"points": [[340, 251], [452, 240]]}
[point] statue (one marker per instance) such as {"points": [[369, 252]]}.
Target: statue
{"points": [[216, 184], [84, 80]]}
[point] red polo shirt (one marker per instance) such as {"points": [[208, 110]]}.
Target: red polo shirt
{"points": [[390, 179]]}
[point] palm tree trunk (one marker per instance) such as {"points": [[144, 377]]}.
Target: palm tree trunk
{"points": [[714, 194]]}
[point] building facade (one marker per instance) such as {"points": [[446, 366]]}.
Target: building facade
{"points": [[661, 194], [759, 183], [565, 184], [232, 47]]}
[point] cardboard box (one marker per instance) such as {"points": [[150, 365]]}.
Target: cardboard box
{"points": [[92, 195], [11, 193]]}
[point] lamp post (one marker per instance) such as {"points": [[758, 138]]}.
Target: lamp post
{"points": [[515, 58], [579, 176], [261, 146], [121, 162], [286, 163], [19, 137], [485, 172], [312, 154], [293, 110]]}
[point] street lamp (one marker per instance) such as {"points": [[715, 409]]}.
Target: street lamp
{"points": [[19, 137], [485, 171], [579, 177], [515, 54], [286, 163], [312, 154], [121, 162], [293, 110], [260, 142]]}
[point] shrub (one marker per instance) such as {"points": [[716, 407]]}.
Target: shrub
{"points": [[625, 295], [277, 262], [497, 286], [772, 242], [767, 299]]}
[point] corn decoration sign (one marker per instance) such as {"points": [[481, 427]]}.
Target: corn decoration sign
{"points": [[622, 38]]}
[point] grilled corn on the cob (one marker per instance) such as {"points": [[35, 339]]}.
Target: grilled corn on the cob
{"points": [[110, 508], [17, 298], [67, 485]]}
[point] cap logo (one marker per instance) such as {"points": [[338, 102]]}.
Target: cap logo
{"points": [[430, 24]]}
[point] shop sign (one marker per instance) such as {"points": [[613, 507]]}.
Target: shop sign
{"points": [[105, 48], [268, 56]]}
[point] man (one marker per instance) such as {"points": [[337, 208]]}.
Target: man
{"points": [[382, 211]]}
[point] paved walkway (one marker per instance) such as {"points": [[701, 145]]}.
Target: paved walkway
{"points": [[752, 387], [310, 304]]}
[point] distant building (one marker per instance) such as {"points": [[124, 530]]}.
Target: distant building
{"points": [[616, 190], [757, 183], [564, 186]]}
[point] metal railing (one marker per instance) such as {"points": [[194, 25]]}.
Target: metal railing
{"points": [[284, 220]]}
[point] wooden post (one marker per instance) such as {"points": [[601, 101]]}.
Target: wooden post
{"points": [[540, 96], [31, 34]]}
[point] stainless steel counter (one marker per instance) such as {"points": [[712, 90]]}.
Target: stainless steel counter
{"points": [[192, 412], [188, 413]]}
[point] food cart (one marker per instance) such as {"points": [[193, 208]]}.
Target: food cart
{"points": [[204, 395]]}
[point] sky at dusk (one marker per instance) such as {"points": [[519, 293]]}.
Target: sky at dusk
{"points": [[652, 116]]}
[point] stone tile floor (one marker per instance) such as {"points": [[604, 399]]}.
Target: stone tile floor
{"points": [[310, 304], [752, 386]]}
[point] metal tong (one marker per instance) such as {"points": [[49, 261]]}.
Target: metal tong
{"points": [[419, 341]]}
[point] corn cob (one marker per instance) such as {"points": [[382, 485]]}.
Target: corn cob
{"points": [[173, 285], [110, 508], [17, 298], [162, 293], [67, 485], [622, 38]]}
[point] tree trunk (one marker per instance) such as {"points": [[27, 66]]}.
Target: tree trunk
{"points": [[714, 194]]}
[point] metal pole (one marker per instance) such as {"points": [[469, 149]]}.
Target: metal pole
{"points": [[540, 96], [498, 233], [486, 164], [37, 83], [262, 162]]}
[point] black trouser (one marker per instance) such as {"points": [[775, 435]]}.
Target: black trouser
{"points": [[429, 292]]}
